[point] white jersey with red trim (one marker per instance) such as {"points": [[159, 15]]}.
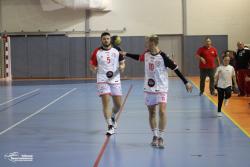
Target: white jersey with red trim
{"points": [[156, 73], [107, 63]]}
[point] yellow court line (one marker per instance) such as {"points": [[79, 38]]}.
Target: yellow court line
{"points": [[228, 116]]}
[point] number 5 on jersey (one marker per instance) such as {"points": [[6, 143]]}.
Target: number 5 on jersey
{"points": [[108, 59]]}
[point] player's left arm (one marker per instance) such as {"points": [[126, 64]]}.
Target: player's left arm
{"points": [[170, 64], [93, 64], [234, 80]]}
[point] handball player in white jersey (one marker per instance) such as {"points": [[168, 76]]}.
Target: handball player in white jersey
{"points": [[156, 85], [107, 63]]}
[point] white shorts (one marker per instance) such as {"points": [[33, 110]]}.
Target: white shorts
{"points": [[112, 89], [155, 98]]}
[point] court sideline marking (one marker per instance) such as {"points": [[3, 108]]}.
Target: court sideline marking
{"points": [[228, 116], [99, 156], [38, 111], [19, 97]]}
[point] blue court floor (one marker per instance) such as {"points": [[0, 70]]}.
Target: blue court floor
{"points": [[60, 124]]}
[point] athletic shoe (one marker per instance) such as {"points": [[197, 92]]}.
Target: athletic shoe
{"points": [[219, 114], [154, 142], [213, 93], [110, 130], [114, 122], [160, 143]]}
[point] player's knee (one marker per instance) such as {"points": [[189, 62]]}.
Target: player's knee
{"points": [[162, 112], [152, 113], [118, 106]]}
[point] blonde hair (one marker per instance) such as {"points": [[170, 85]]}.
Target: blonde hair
{"points": [[153, 38]]}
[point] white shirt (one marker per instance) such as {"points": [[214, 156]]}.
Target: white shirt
{"points": [[225, 74], [156, 76], [107, 62]]}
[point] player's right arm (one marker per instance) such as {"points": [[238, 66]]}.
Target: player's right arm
{"points": [[93, 68], [93, 64], [216, 77], [199, 57]]}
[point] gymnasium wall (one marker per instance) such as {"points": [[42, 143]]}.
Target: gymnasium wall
{"points": [[1, 16], [64, 57], [136, 16], [61, 56], [226, 21], [224, 17], [190, 45], [27, 15], [139, 17]]}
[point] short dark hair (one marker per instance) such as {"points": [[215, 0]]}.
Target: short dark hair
{"points": [[226, 54], [105, 33]]}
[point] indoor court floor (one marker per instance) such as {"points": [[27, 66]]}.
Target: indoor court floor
{"points": [[60, 124]]}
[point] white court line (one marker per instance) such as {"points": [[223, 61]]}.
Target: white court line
{"points": [[37, 112], [19, 97]]}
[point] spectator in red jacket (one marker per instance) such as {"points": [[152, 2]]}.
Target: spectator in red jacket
{"points": [[207, 55]]}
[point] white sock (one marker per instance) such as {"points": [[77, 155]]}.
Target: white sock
{"points": [[109, 121], [161, 132], [155, 132]]}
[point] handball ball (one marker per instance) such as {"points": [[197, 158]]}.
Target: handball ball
{"points": [[116, 40]]}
